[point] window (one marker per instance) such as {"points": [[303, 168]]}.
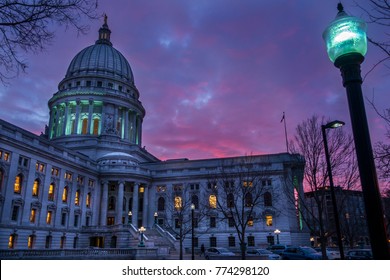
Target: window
{"points": [[30, 241], [35, 189], [267, 199], [50, 195], [268, 220], [161, 204], [68, 176], [251, 241], [48, 217], [23, 161], [87, 221], [270, 240], [95, 129], [110, 221], [250, 221], [161, 188], [76, 220], [15, 213], [77, 198], [91, 183], [111, 203], [33, 214], [247, 184], [213, 241], [99, 83], [18, 184], [230, 200], [232, 241], [55, 171], [88, 83], [65, 194], [178, 203], [63, 219], [88, 200], [231, 222], [177, 223], [80, 180], [213, 201], [63, 242], [40, 167], [48, 242], [6, 156], [248, 200], [12, 241], [213, 222], [84, 126], [75, 242]]}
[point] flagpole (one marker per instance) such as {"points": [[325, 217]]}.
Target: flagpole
{"points": [[285, 130]]}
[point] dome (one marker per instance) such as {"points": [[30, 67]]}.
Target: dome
{"points": [[101, 59]]}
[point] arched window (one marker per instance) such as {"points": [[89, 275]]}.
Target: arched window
{"points": [[248, 200], [50, 195], [65, 194], [77, 198], [267, 199], [178, 203], [35, 189], [111, 203], [213, 201], [195, 201], [84, 126], [230, 200], [18, 184], [161, 204], [88, 200], [95, 128]]}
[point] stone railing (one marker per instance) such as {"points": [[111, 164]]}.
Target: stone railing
{"points": [[81, 254]]}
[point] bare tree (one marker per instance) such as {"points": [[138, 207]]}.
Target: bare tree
{"points": [[242, 195], [178, 212], [27, 26], [308, 142]]}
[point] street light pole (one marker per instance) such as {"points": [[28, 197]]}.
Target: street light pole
{"points": [[277, 232], [333, 124], [346, 42], [192, 232]]}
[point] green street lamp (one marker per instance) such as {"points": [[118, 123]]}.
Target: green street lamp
{"points": [[346, 44]]}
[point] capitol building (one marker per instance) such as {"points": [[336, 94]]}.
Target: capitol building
{"points": [[88, 182]]}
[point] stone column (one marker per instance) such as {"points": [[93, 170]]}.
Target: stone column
{"points": [[145, 220], [135, 205], [119, 205], [90, 113], [77, 119], [65, 121], [103, 208]]}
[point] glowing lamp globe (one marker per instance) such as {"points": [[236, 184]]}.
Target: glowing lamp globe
{"points": [[345, 35]]}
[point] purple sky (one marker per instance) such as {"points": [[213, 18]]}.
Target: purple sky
{"points": [[214, 76]]}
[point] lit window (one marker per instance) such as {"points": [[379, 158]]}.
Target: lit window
{"points": [[65, 194], [18, 184], [35, 188], [68, 176], [54, 171], [268, 220], [48, 217], [96, 126], [247, 184], [77, 198], [213, 201], [250, 221], [33, 214], [141, 190], [6, 156], [11, 241], [178, 202], [40, 167], [88, 200], [84, 126], [50, 195]]}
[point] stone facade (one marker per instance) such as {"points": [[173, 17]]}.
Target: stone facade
{"points": [[87, 181]]}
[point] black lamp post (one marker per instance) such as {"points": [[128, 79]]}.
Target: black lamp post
{"points": [[192, 232], [141, 243], [155, 218], [277, 232], [346, 43], [129, 215], [334, 124]]}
